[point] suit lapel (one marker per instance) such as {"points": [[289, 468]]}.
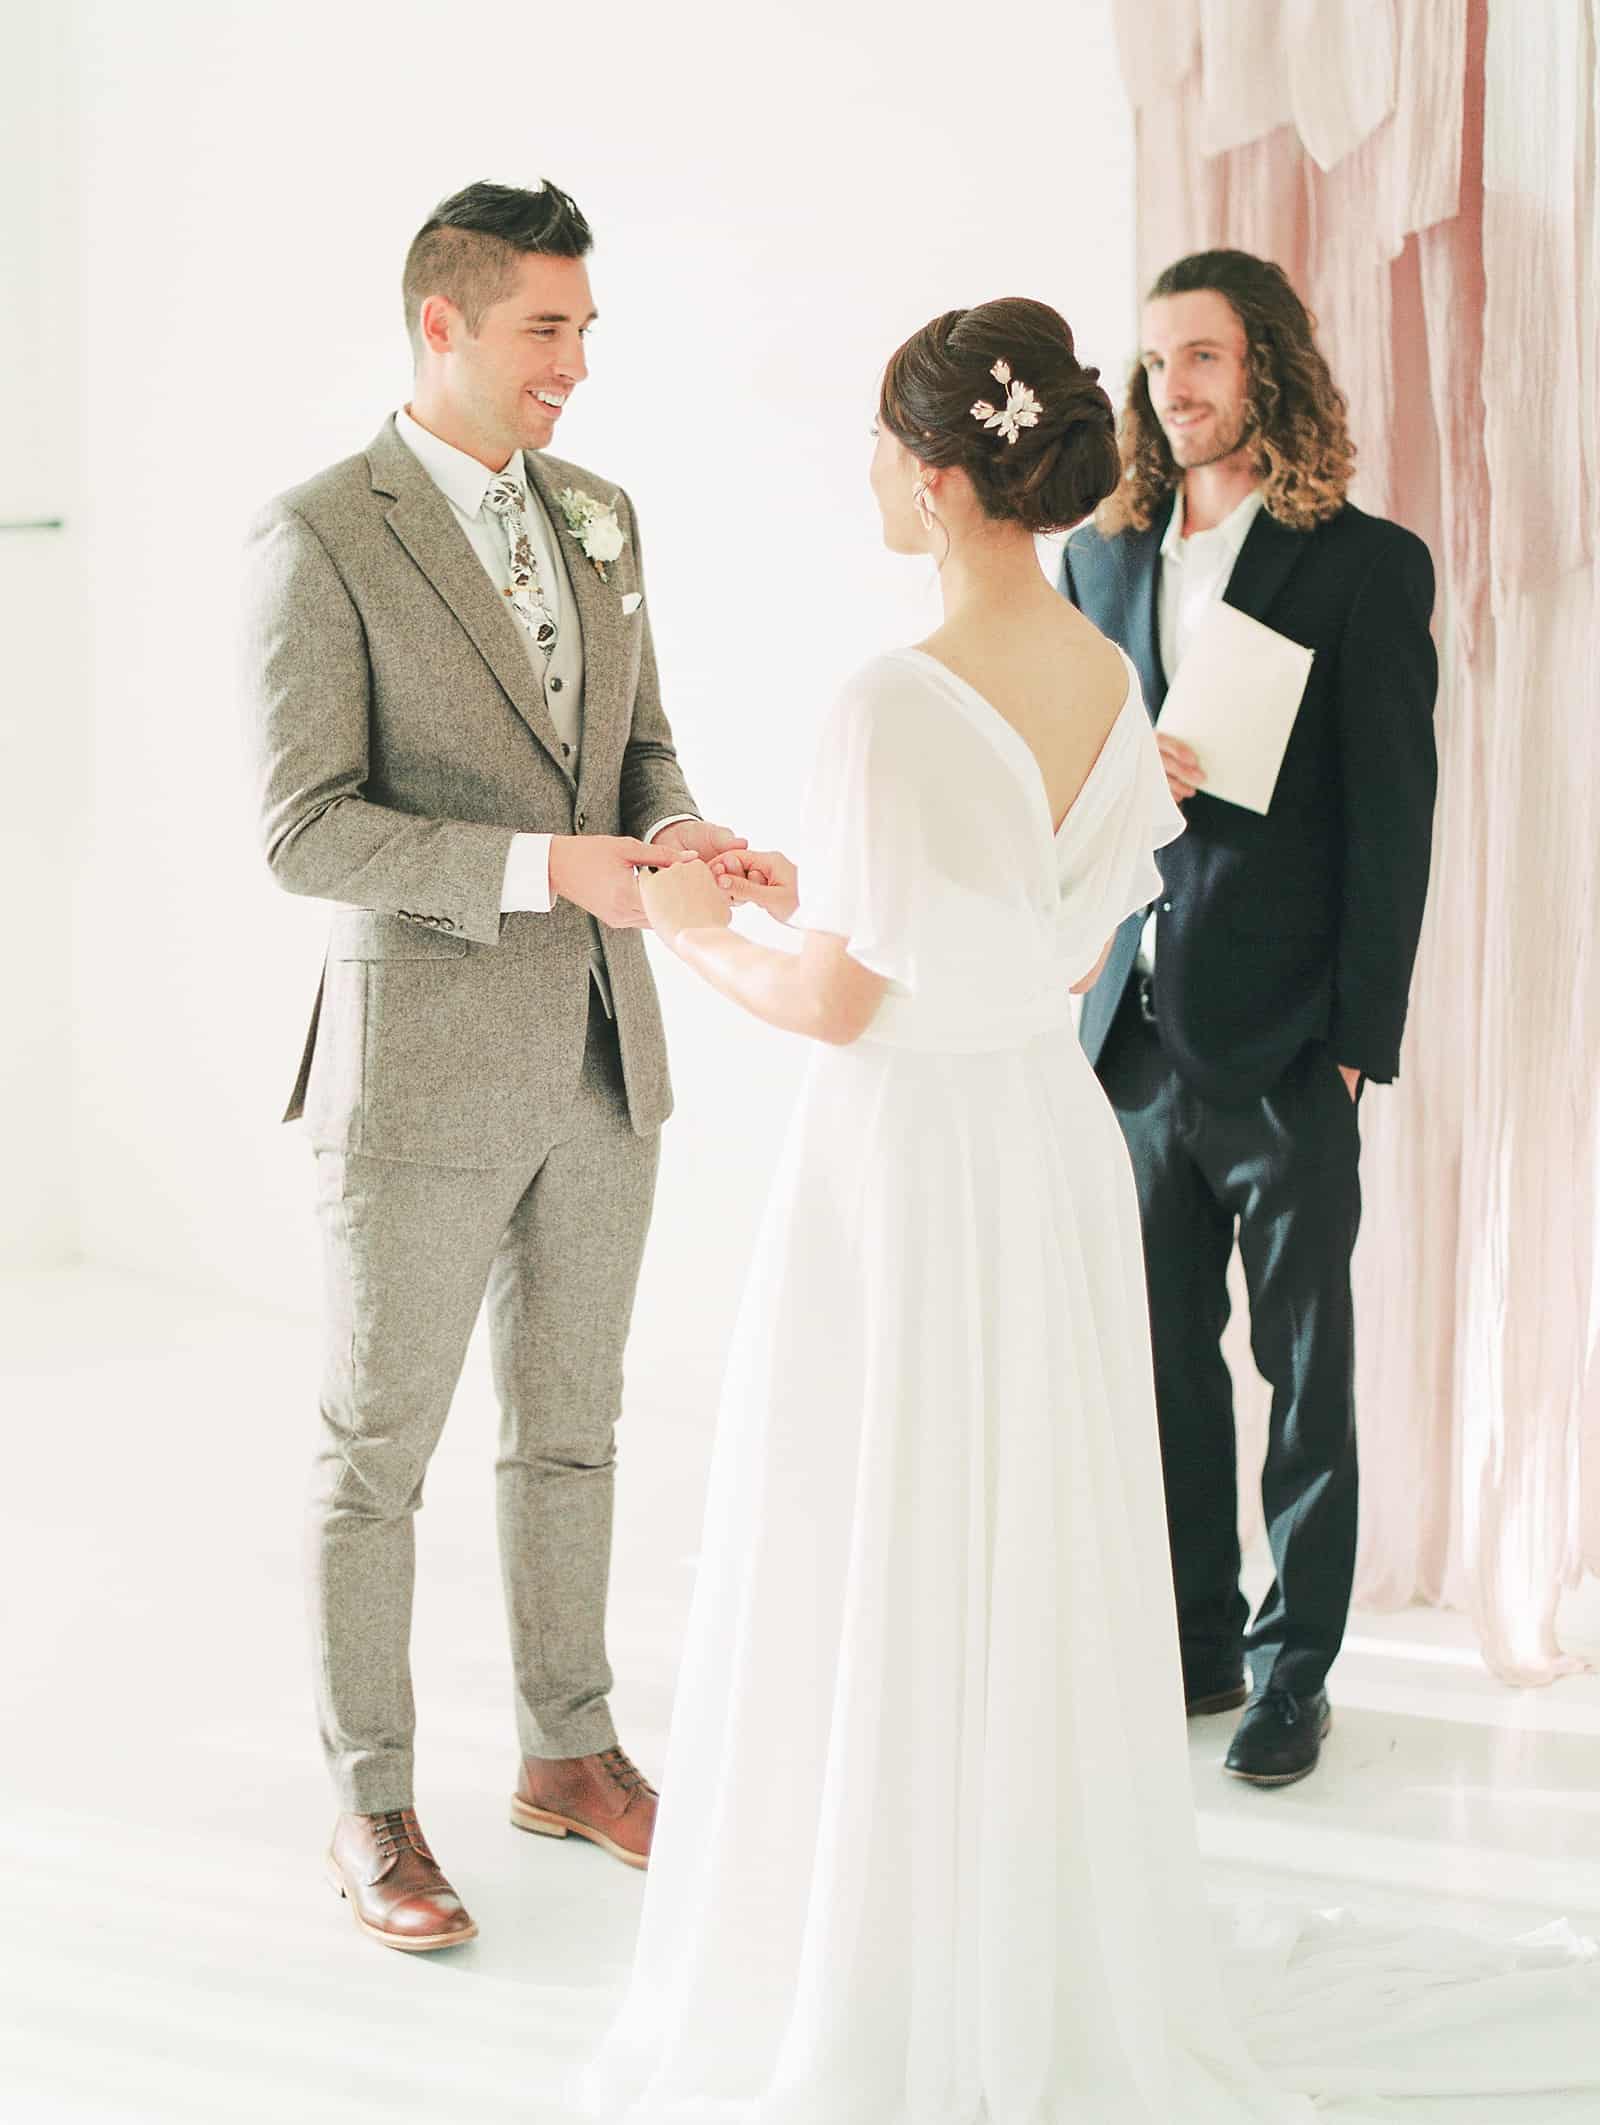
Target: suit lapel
{"points": [[1269, 552], [421, 519], [1144, 632]]}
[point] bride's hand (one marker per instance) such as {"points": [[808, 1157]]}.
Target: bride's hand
{"points": [[769, 881], [684, 897]]}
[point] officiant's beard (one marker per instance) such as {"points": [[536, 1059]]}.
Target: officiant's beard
{"points": [[1240, 438]]}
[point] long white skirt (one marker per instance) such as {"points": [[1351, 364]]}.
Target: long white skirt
{"points": [[926, 1851]]}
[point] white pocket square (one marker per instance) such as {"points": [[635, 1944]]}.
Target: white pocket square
{"points": [[632, 600]]}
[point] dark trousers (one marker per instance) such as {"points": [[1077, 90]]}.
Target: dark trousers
{"points": [[1283, 1168]]}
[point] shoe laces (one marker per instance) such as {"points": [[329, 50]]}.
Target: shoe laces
{"points": [[397, 1830], [1288, 1707], [623, 1771]]}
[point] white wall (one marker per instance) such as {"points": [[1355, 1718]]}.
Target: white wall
{"points": [[44, 711], [780, 195]]}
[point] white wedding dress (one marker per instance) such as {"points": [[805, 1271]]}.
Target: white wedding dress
{"points": [[926, 1852]]}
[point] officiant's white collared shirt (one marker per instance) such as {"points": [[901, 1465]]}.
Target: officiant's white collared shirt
{"points": [[464, 482], [1195, 571]]}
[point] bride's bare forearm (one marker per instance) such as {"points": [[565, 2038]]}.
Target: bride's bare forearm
{"points": [[775, 987], [819, 991]]}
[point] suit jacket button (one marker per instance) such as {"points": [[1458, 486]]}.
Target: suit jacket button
{"points": [[566, 750], [583, 821], [1166, 907], [555, 686]]}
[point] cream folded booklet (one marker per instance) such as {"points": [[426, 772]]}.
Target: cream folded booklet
{"points": [[1234, 702]]}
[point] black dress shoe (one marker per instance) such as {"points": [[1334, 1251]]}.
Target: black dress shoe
{"points": [[1214, 1693], [1279, 1738]]}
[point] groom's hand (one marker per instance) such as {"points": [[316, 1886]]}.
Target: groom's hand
{"points": [[686, 897], [599, 872], [698, 837]]}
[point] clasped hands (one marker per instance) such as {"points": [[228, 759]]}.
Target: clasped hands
{"points": [[688, 877], [690, 894]]}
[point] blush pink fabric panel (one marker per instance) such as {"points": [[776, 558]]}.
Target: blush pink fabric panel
{"points": [[1431, 111], [1156, 46], [1245, 78], [1424, 170], [1341, 73], [1529, 1300]]}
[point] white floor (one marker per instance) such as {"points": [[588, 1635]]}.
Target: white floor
{"points": [[170, 1952]]}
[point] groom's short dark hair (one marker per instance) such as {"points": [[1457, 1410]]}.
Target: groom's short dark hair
{"points": [[468, 247]]}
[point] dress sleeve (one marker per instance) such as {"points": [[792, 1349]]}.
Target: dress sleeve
{"points": [[861, 852], [1158, 821], [1108, 867]]}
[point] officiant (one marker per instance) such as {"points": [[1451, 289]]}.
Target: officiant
{"points": [[1238, 1020]]}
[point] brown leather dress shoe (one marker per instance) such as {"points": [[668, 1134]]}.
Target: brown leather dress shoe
{"points": [[604, 1798], [382, 1864]]}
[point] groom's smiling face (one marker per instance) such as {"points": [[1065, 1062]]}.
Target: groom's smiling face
{"points": [[506, 383]]}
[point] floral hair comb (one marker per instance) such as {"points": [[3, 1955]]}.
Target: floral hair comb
{"points": [[1021, 409]]}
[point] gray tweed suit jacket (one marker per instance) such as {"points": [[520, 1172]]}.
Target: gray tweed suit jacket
{"points": [[401, 738]]}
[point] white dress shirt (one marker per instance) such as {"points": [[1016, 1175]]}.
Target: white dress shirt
{"points": [[463, 482], [1195, 572]]}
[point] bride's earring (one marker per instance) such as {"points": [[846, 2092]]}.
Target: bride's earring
{"points": [[919, 497]]}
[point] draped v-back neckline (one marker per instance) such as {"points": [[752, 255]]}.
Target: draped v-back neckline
{"points": [[1022, 752]]}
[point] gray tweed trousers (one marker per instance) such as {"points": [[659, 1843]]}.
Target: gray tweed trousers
{"points": [[410, 1251]]}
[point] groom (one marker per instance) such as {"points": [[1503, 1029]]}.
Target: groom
{"points": [[1237, 1019], [460, 742]]}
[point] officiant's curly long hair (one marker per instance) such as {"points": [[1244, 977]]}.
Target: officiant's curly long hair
{"points": [[1295, 412]]}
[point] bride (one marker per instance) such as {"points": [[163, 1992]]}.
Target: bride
{"points": [[926, 1854]]}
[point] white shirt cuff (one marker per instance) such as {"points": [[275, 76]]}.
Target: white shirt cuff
{"points": [[661, 825], [526, 887]]}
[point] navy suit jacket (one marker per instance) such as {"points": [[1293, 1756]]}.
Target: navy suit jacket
{"points": [[1300, 926]]}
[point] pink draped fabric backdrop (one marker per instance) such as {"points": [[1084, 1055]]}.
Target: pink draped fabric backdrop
{"points": [[1425, 172]]}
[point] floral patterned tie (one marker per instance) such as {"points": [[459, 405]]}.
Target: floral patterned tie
{"points": [[504, 496]]}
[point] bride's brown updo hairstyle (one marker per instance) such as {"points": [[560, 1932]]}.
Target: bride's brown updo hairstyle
{"points": [[1056, 472]]}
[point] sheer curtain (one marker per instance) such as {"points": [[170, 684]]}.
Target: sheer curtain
{"points": [[1425, 171]]}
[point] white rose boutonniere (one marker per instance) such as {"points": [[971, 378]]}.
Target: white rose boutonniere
{"points": [[594, 525]]}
